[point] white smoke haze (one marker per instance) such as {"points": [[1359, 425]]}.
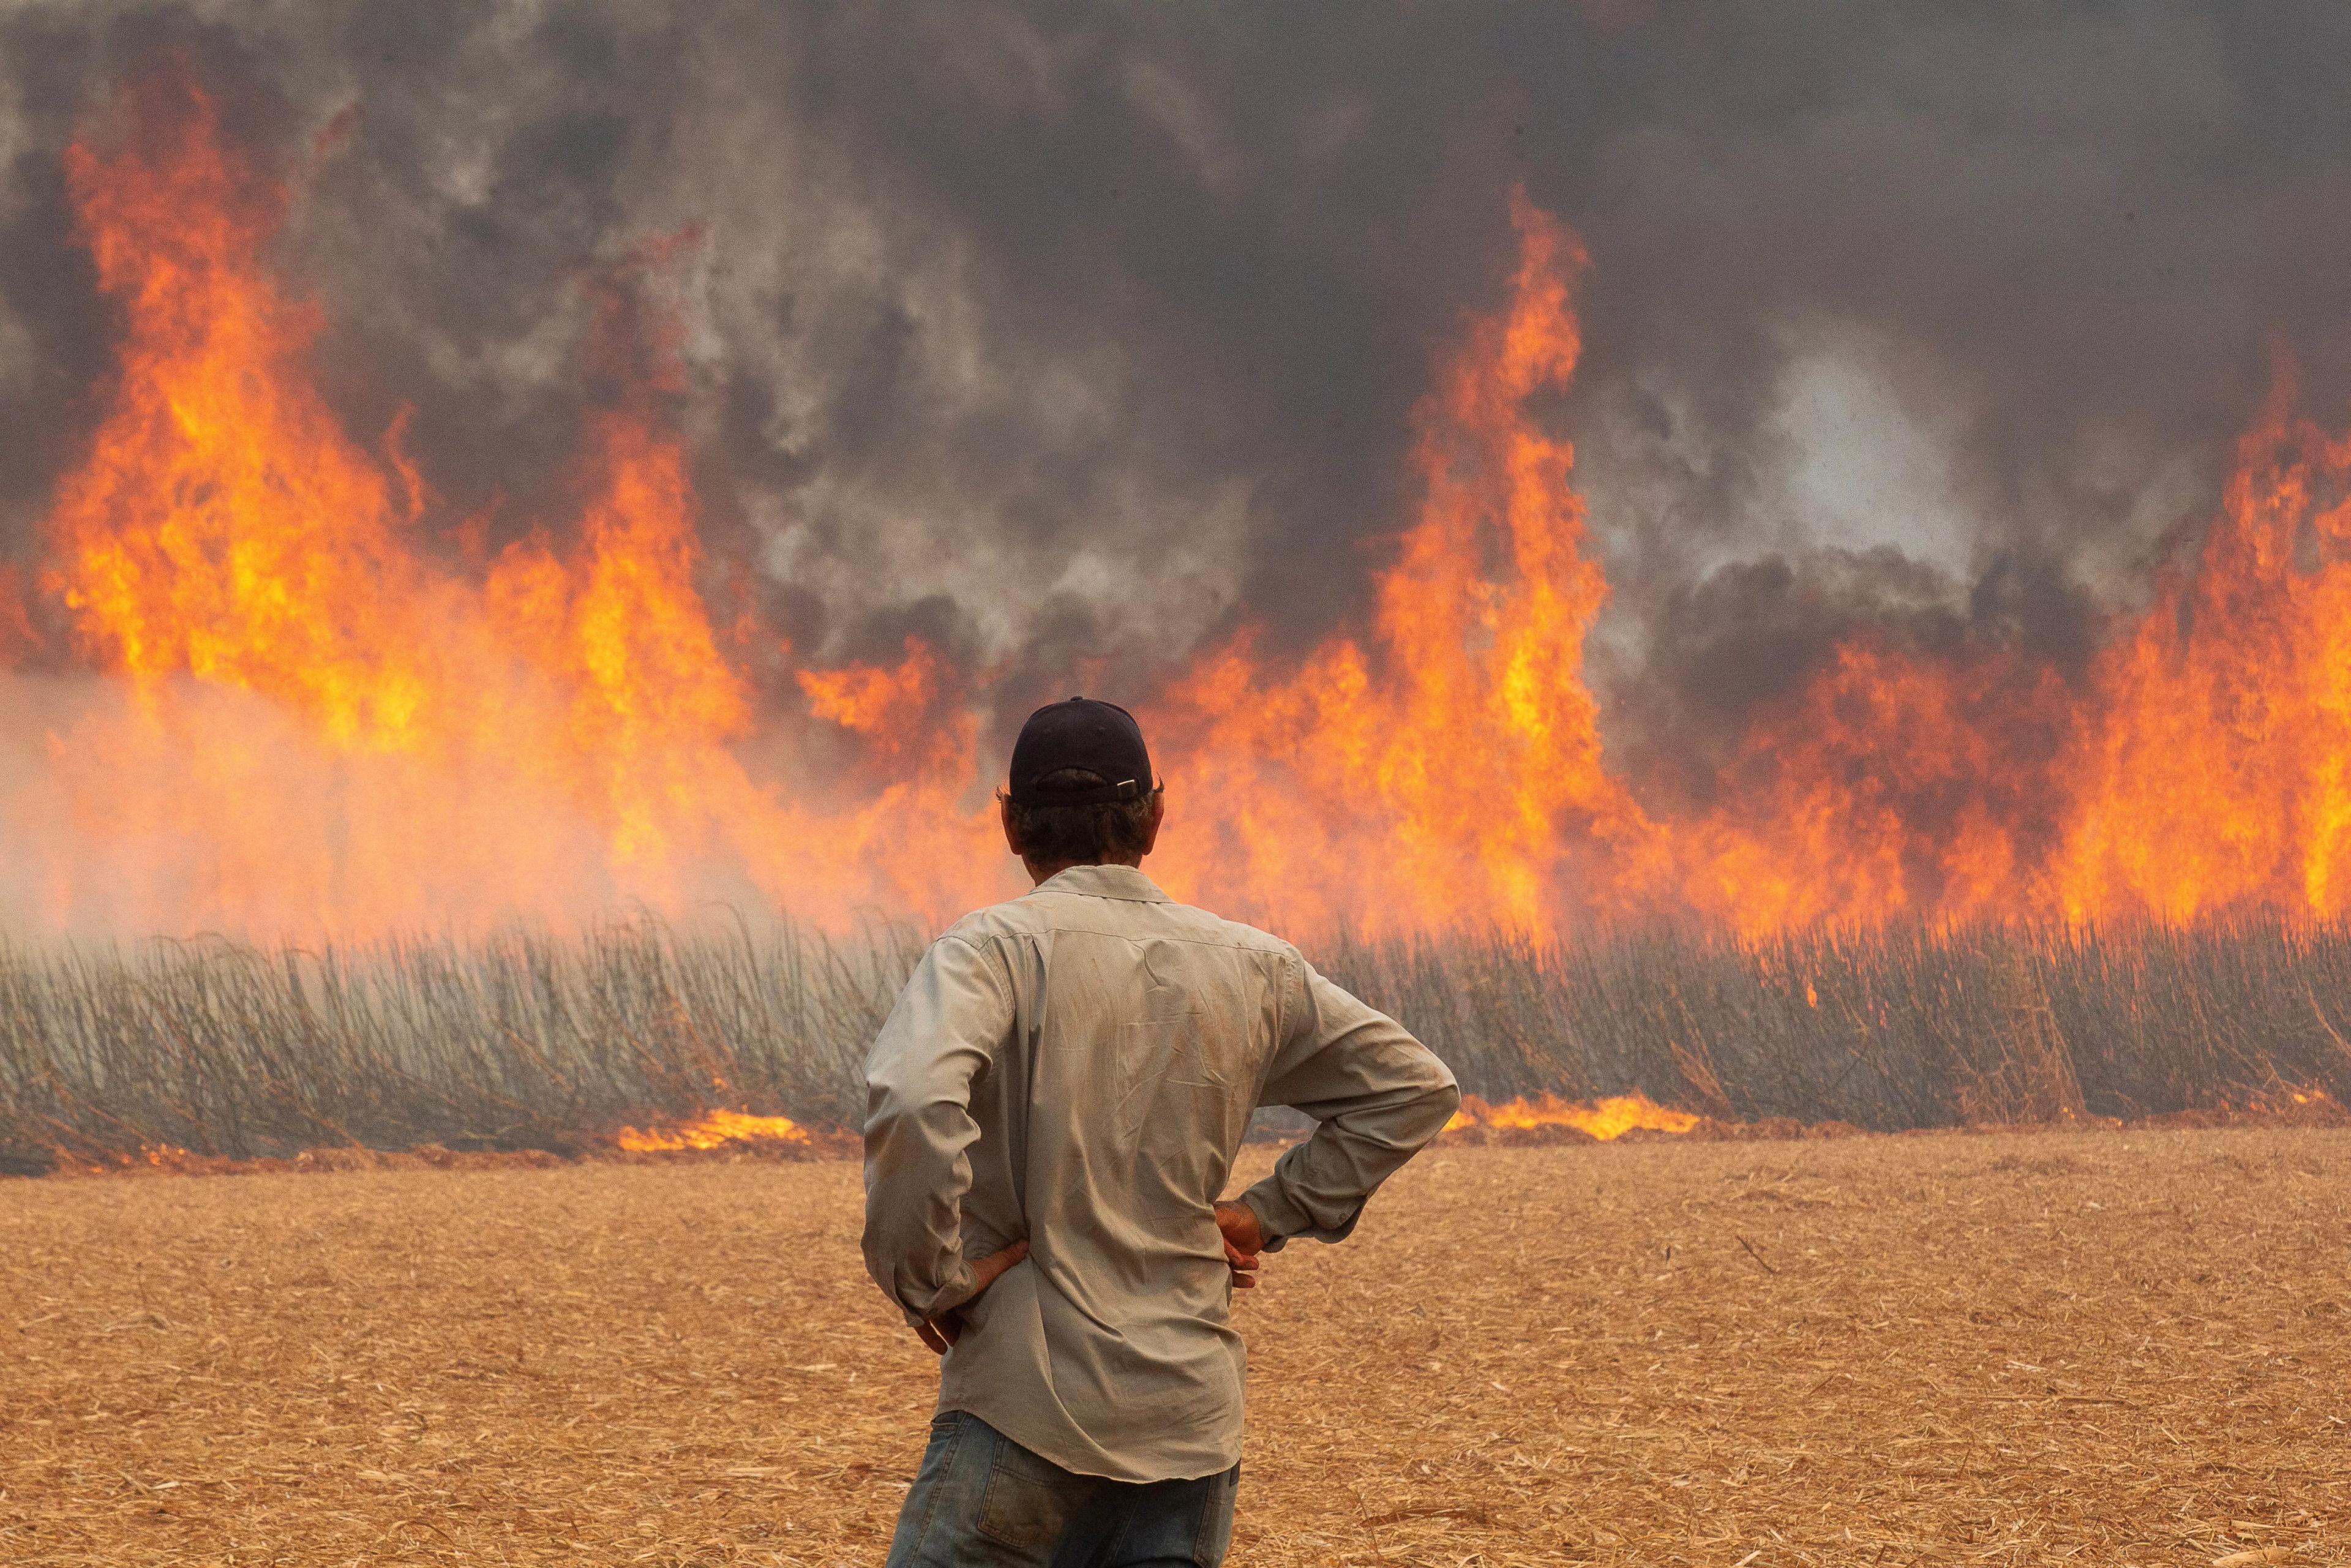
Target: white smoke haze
{"points": [[97, 837]]}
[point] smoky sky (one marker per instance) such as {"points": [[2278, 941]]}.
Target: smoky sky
{"points": [[1071, 338]]}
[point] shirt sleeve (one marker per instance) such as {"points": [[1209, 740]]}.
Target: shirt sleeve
{"points": [[1378, 1097], [948, 1023]]}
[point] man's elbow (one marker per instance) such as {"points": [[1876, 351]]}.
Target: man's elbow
{"points": [[909, 1135], [889, 1109], [1411, 1114], [1436, 1107], [911, 1268]]}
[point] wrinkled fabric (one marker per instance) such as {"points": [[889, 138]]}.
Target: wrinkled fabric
{"points": [[981, 1499], [1078, 1066]]}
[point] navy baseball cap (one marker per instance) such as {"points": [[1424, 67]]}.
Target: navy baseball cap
{"points": [[1097, 737]]}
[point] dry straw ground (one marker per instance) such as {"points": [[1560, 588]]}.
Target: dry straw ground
{"points": [[2122, 1348]]}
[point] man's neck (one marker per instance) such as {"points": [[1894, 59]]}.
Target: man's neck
{"points": [[1042, 871]]}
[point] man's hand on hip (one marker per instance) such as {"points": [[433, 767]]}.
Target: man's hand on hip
{"points": [[1243, 1238], [943, 1331]]}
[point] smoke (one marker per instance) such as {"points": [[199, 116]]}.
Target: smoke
{"points": [[1070, 340]]}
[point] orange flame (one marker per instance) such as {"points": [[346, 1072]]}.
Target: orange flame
{"points": [[321, 726], [1612, 1117], [1449, 773], [2197, 767], [717, 1128], [2217, 779]]}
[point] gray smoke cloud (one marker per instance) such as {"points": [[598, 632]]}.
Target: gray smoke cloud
{"points": [[1072, 336]]}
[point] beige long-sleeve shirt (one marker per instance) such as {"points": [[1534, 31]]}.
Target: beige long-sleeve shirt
{"points": [[1077, 1066]]}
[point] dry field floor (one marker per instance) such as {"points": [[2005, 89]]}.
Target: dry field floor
{"points": [[2121, 1348]]}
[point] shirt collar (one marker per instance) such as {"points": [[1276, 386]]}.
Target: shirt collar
{"points": [[1120, 881]]}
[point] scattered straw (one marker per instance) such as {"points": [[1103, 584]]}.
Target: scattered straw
{"points": [[2004, 1349]]}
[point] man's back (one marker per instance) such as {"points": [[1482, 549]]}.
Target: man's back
{"points": [[1087, 1057]]}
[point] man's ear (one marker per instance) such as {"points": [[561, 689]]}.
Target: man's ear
{"points": [[1158, 815], [1003, 815]]}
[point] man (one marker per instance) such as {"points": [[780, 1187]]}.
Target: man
{"points": [[1054, 1106]]}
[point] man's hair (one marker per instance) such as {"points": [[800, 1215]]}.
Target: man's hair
{"points": [[1081, 833]]}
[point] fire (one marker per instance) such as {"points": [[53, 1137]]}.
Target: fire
{"points": [[2218, 778], [1888, 787], [311, 700], [1447, 772], [319, 718], [2197, 767], [717, 1128], [1603, 1119]]}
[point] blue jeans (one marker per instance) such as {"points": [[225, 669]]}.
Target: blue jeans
{"points": [[982, 1501]]}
